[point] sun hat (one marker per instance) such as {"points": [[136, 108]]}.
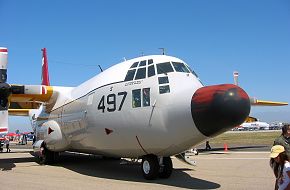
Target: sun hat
{"points": [[276, 150]]}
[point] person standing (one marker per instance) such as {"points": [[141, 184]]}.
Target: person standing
{"points": [[207, 146], [7, 142], [280, 164], [284, 139]]}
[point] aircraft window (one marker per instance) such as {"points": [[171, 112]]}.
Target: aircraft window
{"points": [[130, 75], [163, 80], [164, 89], [141, 73], [180, 67], [134, 65], [192, 71], [142, 63], [136, 100], [146, 97], [164, 68], [151, 71], [150, 61]]}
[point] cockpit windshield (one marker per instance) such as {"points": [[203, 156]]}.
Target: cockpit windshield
{"points": [[138, 69], [164, 68], [191, 71], [180, 67]]}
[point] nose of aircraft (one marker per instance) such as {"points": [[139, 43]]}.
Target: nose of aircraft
{"points": [[216, 109]]}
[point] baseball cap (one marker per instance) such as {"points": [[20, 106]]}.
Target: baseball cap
{"points": [[276, 150]]}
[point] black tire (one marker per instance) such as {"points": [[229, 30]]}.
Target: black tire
{"points": [[150, 167], [166, 170], [48, 157]]}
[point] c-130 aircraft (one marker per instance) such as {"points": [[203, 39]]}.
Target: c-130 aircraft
{"points": [[150, 108]]}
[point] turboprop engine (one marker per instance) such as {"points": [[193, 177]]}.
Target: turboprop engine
{"points": [[53, 137]]}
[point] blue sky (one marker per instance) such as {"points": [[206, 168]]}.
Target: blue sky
{"points": [[215, 37]]}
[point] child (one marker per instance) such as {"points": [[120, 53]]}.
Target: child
{"points": [[281, 167]]}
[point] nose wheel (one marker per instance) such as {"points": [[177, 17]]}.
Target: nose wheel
{"points": [[153, 167], [47, 156]]}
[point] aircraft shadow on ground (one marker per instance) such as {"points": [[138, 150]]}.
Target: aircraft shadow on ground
{"points": [[112, 169], [7, 164]]}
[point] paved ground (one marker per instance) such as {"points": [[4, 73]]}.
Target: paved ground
{"points": [[236, 147], [214, 170]]}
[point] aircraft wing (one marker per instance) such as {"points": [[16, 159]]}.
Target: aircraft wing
{"points": [[18, 112], [27, 97], [256, 102]]}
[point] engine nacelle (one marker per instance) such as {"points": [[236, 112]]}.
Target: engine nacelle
{"points": [[53, 137]]}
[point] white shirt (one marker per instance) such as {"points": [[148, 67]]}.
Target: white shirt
{"points": [[284, 180]]}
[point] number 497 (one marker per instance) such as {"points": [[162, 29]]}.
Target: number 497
{"points": [[111, 102]]}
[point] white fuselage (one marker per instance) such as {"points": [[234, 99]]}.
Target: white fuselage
{"points": [[109, 116]]}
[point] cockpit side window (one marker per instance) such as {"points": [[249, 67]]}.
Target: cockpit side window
{"points": [[146, 97], [164, 89], [141, 73], [134, 65], [164, 68], [192, 71], [139, 70], [151, 71], [142, 63], [180, 67], [136, 100], [130, 75], [163, 80], [150, 61]]}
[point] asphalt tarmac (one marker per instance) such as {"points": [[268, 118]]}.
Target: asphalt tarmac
{"points": [[214, 170]]}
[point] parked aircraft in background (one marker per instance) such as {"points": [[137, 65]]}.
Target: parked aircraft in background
{"points": [[253, 126], [150, 107]]}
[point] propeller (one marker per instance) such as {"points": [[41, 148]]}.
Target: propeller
{"points": [[5, 91]]}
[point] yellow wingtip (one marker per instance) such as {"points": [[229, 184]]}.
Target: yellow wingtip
{"points": [[268, 103]]}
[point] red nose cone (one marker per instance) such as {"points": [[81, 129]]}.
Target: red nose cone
{"points": [[216, 109]]}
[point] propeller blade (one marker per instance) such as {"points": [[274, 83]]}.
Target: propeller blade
{"points": [[3, 64], [5, 91], [3, 122]]}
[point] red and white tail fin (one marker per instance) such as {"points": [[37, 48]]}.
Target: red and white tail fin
{"points": [[45, 75]]}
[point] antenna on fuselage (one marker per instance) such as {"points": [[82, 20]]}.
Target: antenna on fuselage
{"points": [[100, 68], [163, 50]]}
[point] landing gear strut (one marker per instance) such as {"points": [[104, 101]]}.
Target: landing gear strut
{"points": [[47, 156], [152, 167]]}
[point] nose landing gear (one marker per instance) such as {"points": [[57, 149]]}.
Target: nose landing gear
{"points": [[153, 167]]}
